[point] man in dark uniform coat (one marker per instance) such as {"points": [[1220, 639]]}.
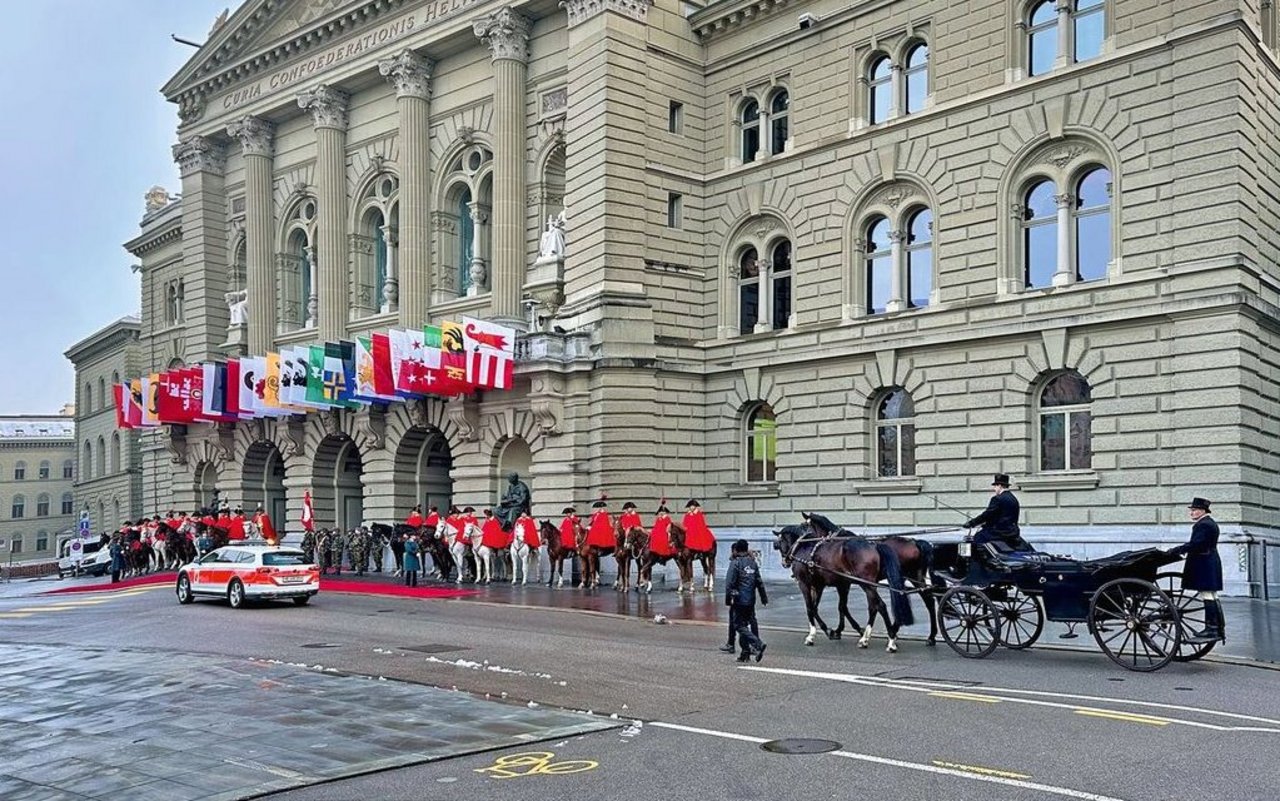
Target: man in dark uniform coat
{"points": [[1203, 571], [999, 521], [741, 585]]}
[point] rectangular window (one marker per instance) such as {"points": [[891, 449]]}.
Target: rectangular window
{"points": [[17, 545], [66, 507], [19, 473], [675, 117], [42, 509], [68, 470], [44, 473], [675, 210], [42, 542], [18, 510]]}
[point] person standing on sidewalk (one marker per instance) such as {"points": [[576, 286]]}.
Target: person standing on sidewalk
{"points": [[117, 559], [411, 563], [1202, 572], [742, 584]]}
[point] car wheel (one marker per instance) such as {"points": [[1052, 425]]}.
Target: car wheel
{"points": [[235, 594], [184, 589], [301, 600]]}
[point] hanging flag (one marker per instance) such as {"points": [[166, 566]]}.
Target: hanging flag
{"points": [[150, 388], [384, 379], [490, 353], [318, 393], [231, 389], [453, 355], [308, 514], [121, 396], [245, 389], [366, 384], [346, 352], [212, 401], [192, 393], [302, 378], [406, 349]]}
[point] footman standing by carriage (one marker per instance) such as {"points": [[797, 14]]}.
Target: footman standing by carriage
{"points": [[999, 521], [1202, 572], [741, 585]]}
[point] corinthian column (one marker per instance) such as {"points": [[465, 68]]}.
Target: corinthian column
{"points": [[328, 107], [410, 74], [257, 141], [507, 35]]}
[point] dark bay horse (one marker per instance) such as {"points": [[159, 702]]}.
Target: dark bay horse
{"points": [[179, 549], [631, 543], [646, 558], [818, 561], [557, 551], [685, 556], [916, 559]]}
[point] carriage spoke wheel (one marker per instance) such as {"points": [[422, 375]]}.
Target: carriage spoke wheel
{"points": [[1022, 619], [1135, 624], [1191, 612], [970, 622]]}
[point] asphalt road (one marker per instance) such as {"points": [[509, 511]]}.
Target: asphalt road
{"points": [[921, 723]]}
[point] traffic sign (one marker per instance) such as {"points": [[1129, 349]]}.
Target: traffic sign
{"points": [[84, 522]]}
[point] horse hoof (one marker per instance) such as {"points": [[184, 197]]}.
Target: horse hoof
{"points": [[931, 641], [808, 641], [892, 648], [861, 644], [833, 635]]}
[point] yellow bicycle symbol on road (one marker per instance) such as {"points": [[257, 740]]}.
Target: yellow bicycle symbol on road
{"points": [[535, 763]]}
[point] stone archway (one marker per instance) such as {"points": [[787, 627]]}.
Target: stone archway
{"points": [[263, 482], [206, 485], [511, 455], [337, 491], [422, 470]]}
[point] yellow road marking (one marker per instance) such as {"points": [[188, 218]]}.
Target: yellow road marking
{"points": [[69, 604], [31, 609], [534, 763], [986, 699], [1101, 713], [981, 771]]}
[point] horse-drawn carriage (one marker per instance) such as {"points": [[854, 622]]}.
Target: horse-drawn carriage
{"points": [[1138, 615]]}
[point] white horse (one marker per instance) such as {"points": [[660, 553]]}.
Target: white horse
{"points": [[458, 550], [484, 554], [159, 555], [524, 559]]}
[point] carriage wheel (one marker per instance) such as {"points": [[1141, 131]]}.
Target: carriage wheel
{"points": [[970, 622], [1191, 611], [1023, 619], [1135, 624]]}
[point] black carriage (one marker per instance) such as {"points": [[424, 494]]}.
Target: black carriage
{"points": [[1135, 612]]}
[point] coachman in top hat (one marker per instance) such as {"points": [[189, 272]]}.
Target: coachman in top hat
{"points": [[999, 521]]}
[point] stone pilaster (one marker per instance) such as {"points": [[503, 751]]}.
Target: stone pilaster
{"points": [[257, 142], [328, 108], [201, 162], [506, 32], [410, 74]]}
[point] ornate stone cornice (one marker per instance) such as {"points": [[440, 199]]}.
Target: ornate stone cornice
{"points": [[718, 17], [582, 10], [409, 73], [328, 106], [257, 136], [199, 154], [506, 32]]}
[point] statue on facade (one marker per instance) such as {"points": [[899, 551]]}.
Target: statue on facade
{"points": [[157, 198], [551, 245], [516, 500], [238, 305]]}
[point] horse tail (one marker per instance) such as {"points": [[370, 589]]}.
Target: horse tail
{"points": [[926, 560], [893, 572]]}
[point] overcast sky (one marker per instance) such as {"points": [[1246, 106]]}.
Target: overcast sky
{"points": [[84, 132]]}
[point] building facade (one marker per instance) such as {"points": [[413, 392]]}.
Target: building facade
{"points": [[853, 257], [37, 470], [109, 480]]}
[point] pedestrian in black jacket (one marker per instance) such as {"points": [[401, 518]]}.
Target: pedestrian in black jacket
{"points": [[742, 583], [1203, 571]]}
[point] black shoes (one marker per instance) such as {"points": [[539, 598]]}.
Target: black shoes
{"points": [[728, 649], [760, 653], [746, 656]]}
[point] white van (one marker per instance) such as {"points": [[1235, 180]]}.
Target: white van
{"points": [[95, 560]]}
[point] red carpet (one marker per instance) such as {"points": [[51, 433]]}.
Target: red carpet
{"points": [[380, 588], [124, 584]]}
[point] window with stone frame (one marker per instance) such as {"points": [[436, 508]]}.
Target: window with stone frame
{"points": [[779, 120], [42, 540], [463, 227], [104, 399], [895, 444], [101, 453], [879, 89], [1055, 33], [297, 298], [174, 292], [88, 398], [1063, 224], [763, 273], [1065, 430], [45, 471], [88, 461], [374, 248], [749, 130], [238, 276], [915, 78], [18, 509], [42, 505], [16, 547], [760, 445], [116, 455], [69, 469], [20, 471], [1271, 23], [895, 265], [67, 504]]}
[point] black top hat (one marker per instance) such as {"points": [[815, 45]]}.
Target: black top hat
{"points": [[662, 509], [628, 505], [434, 508], [569, 510], [1001, 480], [453, 510], [468, 510], [1199, 503], [692, 505]]}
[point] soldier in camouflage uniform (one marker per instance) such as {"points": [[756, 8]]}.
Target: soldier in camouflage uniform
{"points": [[337, 543], [309, 546], [377, 547], [357, 547], [322, 550]]}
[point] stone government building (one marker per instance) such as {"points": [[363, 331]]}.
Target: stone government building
{"points": [[847, 256]]}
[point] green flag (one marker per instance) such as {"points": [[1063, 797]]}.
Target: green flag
{"points": [[315, 376]]}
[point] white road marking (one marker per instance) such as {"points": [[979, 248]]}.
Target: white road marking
{"points": [[1009, 694], [919, 767]]}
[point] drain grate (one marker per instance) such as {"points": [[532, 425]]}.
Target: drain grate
{"points": [[434, 648], [321, 645], [800, 745]]}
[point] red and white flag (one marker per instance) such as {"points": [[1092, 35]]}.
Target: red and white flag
{"points": [[308, 513], [491, 350]]}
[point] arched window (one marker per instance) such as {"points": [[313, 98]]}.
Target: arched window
{"points": [[173, 299], [464, 228], [919, 258], [20, 471], [103, 402], [17, 544], [42, 540], [1088, 28], [69, 469], [88, 398], [19, 508], [916, 78], [466, 238], [298, 303], [1040, 234], [1042, 37], [779, 121], [42, 505], [87, 472], [780, 286], [100, 469], [760, 446], [1092, 212], [1065, 423], [895, 435], [373, 249], [880, 89], [115, 452], [67, 504], [44, 470], [879, 267], [750, 119], [748, 290]]}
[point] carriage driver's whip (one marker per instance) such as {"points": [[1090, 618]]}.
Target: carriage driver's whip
{"points": [[940, 502]]}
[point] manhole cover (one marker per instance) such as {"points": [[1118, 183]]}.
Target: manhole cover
{"points": [[434, 648], [800, 745], [321, 645]]}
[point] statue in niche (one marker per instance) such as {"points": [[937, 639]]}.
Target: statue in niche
{"points": [[238, 305], [552, 244]]}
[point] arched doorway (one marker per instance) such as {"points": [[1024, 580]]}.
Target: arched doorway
{"points": [[337, 491], [206, 485], [423, 465], [263, 482], [513, 455]]}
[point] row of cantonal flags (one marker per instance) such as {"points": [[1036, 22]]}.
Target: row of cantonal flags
{"points": [[384, 367]]}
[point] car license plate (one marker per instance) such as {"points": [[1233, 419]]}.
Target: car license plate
{"points": [[292, 579]]}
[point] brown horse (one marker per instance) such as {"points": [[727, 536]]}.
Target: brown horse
{"points": [[817, 561], [591, 555], [557, 551], [915, 558], [685, 557], [627, 550], [179, 549], [646, 559]]}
